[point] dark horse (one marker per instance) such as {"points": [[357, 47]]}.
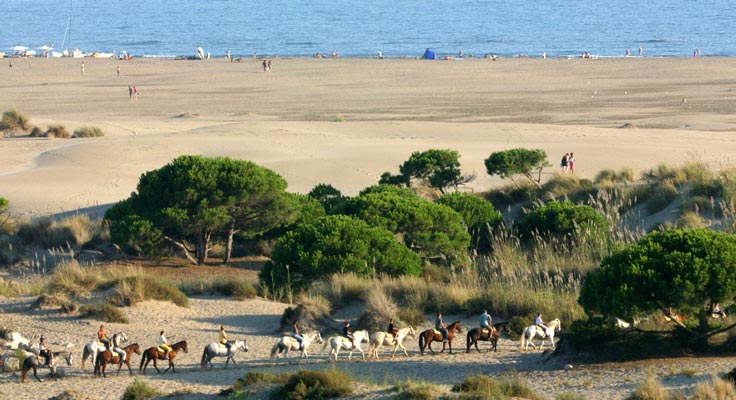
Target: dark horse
{"points": [[484, 334], [32, 363], [153, 353], [430, 335], [110, 357]]}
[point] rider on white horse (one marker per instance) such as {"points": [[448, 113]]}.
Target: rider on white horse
{"points": [[223, 339], [43, 350], [116, 347], [540, 323], [485, 321], [392, 330], [296, 335], [348, 333]]}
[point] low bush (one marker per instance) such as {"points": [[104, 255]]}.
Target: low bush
{"points": [[88, 131], [340, 289], [103, 312], [14, 121], [478, 383], [379, 308], [254, 377], [482, 387], [73, 279], [140, 287], [569, 396], [36, 132], [662, 195], [716, 389], [690, 220], [651, 389], [139, 390], [315, 385], [411, 390], [57, 131]]}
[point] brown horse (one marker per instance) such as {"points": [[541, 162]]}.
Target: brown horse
{"points": [[484, 334], [110, 357], [427, 337], [154, 353]]}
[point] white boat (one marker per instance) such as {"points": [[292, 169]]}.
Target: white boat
{"points": [[103, 55], [73, 54]]}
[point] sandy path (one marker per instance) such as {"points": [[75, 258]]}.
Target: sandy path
{"points": [[256, 320]]}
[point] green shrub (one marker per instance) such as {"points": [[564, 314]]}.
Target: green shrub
{"points": [[563, 220], [410, 316], [241, 289], [103, 312], [46, 233], [139, 390], [14, 121], [606, 177], [88, 131], [315, 385], [340, 289], [690, 220], [57, 131], [253, 377], [140, 287], [36, 132], [479, 215], [411, 390], [478, 383], [510, 195], [569, 396], [626, 175], [482, 387], [663, 194]]}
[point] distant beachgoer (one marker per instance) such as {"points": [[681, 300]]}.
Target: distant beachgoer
{"points": [[135, 93], [118, 70], [380, 55], [130, 92], [641, 51], [268, 65], [82, 67], [227, 55], [564, 162], [265, 66], [460, 54], [571, 163], [628, 52], [255, 56], [11, 64], [544, 55]]}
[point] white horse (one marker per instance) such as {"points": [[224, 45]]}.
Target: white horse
{"points": [[533, 330], [92, 348], [341, 342], [287, 343], [386, 339], [216, 349]]}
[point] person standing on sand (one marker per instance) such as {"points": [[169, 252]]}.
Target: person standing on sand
{"points": [[130, 92], [118, 71], [564, 163], [269, 65], [82, 67], [641, 51], [265, 65], [135, 93], [571, 163]]}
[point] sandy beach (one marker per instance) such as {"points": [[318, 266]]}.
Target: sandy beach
{"points": [[346, 121]]}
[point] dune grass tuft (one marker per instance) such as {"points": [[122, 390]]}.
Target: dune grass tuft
{"points": [[103, 312], [651, 389], [413, 390], [307, 384], [140, 286], [57, 131], [88, 131], [140, 390], [72, 279], [14, 121]]}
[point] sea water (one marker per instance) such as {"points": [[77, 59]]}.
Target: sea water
{"points": [[302, 28]]}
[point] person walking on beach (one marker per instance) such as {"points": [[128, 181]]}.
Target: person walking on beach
{"points": [[82, 67], [265, 65], [118, 71], [130, 92], [571, 163], [268, 65], [564, 162], [135, 93], [641, 51]]}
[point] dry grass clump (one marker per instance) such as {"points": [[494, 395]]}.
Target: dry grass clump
{"points": [[54, 301], [690, 220], [379, 308], [103, 312], [69, 231], [315, 385], [339, 289], [663, 194], [139, 390], [36, 132], [412, 390], [239, 288], [13, 121], [72, 279], [88, 131], [716, 389], [483, 387], [140, 286], [57, 131], [651, 389]]}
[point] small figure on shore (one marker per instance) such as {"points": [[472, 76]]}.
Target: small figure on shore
{"points": [[392, 330], [11, 64], [440, 325], [564, 162], [118, 71], [82, 67], [102, 336], [628, 52], [348, 333], [571, 163], [540, 322], [265, 66], [544, 55], [228, 56], [641, 51], [223, 338], [163, 343], [485, 320], [135, 93], [130, 92], [268, 65], [460, 54], [380, 55]]}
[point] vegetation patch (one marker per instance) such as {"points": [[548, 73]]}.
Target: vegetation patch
{"points": [[483, 387], [14, 122], [315, 385], [103, 312], [413, 390], [140, 287], [140, 390], [88, 131], [73, 280], [57, 131]]}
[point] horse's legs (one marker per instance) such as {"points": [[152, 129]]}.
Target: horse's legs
{"points": [[155, 364], [449, 343], [35, 373], [429, 344], [404, 348]]}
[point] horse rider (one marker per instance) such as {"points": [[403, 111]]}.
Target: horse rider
{"points": [[540, 323], [224, 340], [486, 321], [43, 351], [117, 348], [392, 330], [440, 326], [163, 343], [718, 312], [296, 335], [348, 333], [102, 336]]}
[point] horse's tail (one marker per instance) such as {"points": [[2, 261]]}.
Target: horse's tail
{"points": [[143, 360], [275, 349], [85, 354], [421, 341], [204, 358], [523, 338]]}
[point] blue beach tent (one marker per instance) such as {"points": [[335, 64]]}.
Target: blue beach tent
{"points": [[429, 55]]}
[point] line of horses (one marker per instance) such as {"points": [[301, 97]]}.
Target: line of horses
{"points": [[103, 357]]}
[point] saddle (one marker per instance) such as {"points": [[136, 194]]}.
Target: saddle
{"points": [[485, 331], [436, 332], [160, 349], [541, 332], [221, 345]]}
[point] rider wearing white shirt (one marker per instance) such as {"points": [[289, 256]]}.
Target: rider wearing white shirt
{"points": [[116, 347], [540, 323]]}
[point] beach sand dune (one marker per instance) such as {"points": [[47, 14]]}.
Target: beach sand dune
{"points": [[287, 120]]}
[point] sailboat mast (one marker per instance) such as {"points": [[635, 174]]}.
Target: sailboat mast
{"points": [[68, 34]]}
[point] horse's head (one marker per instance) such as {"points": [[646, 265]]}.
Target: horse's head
{"points": [[412, 332], [556, 324], [184, 346], [69, 357], [123, 337], [135, 348], [457, 326], [241, 344], [317, 337]]}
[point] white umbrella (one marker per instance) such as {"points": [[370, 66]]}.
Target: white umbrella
{"points": [[20, 48], [44, 47]]}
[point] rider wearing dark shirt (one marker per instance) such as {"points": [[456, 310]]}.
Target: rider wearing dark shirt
{"points": [[348, 333]]}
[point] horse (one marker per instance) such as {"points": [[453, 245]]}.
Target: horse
{"points": [[386, 339], [484, 334], [341, 342], [427, 337], [533, 330], [287, 343], [92, 348], [32, 362], [216, 349], [156, 353], [111, 357]]}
